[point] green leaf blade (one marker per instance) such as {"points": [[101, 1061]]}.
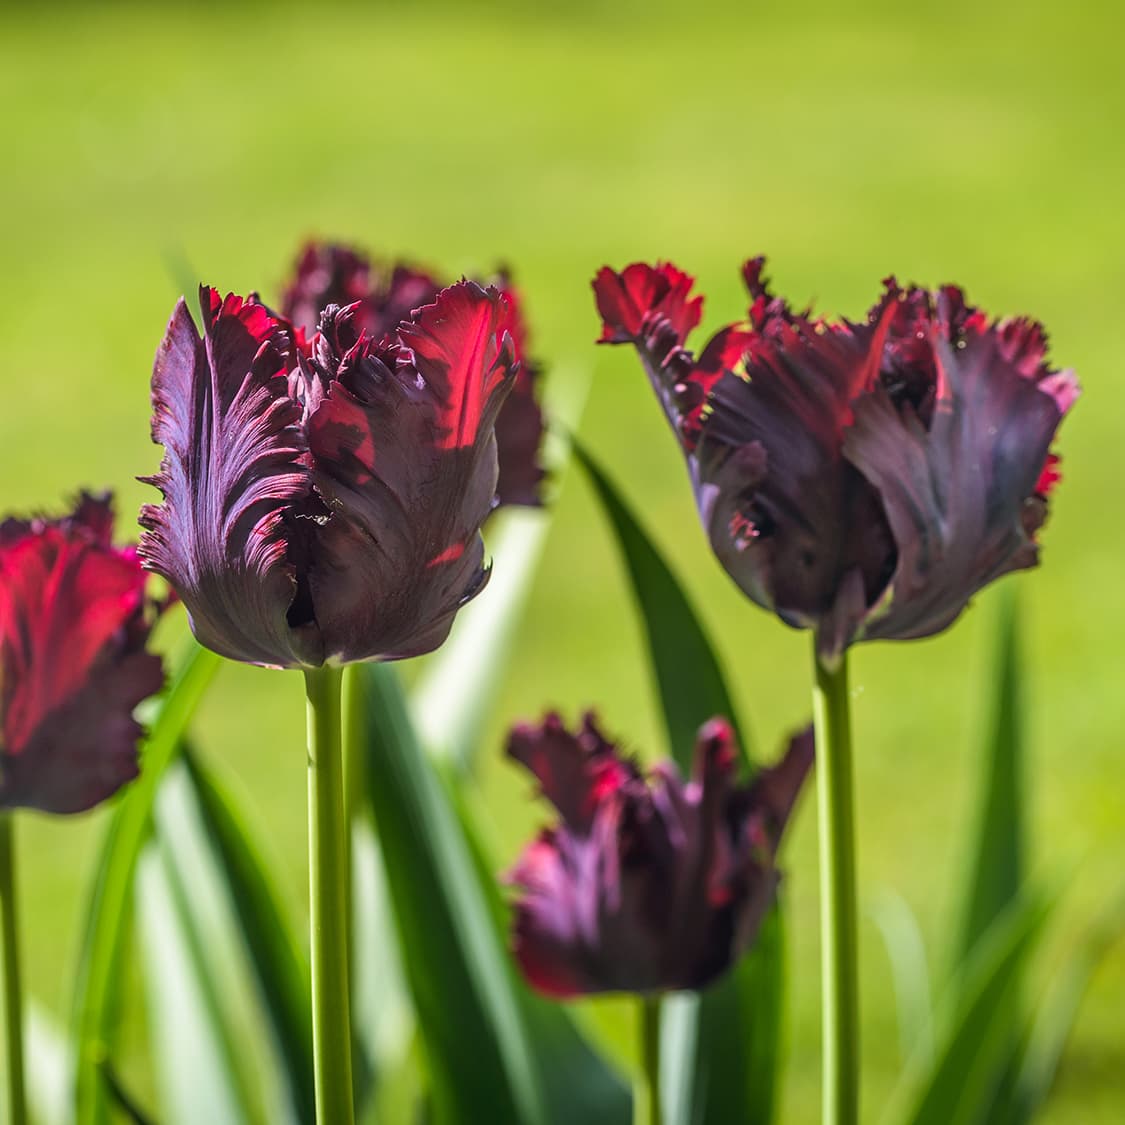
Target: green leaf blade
{"points": [[467, 1011], [956, 1084], [723, 1061], [280, 970], [996, 864], [98, 978], [690, 683]]}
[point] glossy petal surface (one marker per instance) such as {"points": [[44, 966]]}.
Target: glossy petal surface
{"points": [[232, 476], [862, 479], [404, 459], [73, 626]]}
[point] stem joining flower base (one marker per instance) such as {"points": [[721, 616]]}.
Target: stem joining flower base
{"points": [[647, 1103], [838, 929], [13, 996], [328, 900]]}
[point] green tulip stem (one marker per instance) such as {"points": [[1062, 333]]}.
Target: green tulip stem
{"points": [[13, 996], [838, 930], [648, 1109], [328, 900]]}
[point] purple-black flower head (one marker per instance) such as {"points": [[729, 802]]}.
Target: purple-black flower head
{"points": [[74, 621], [864, 480], [335, 274], [645, 884], [324, 502]]}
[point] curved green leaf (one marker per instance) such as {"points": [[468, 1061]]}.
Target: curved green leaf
{"points": [[280, 969], [910, 974], [195, 1053], [455, 691], [689, 679], [996, 863], [955, 1085], [722, 1054], [477, 1051], [1036, 1063], [95, 1002]]}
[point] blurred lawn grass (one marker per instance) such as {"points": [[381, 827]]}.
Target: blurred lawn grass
{"points": [[948, 142]]}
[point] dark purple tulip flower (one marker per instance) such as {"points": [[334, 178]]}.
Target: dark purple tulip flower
{"points": [[333, 273], [323, 499], [74, 621], [645, 884], [861, 479]]}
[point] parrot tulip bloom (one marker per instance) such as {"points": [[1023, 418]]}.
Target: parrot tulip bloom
{"points": [[646, 884], [861, 479], [323, 500], [329, 273], [74, 620]]}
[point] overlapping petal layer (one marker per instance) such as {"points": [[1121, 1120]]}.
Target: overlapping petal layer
{"points": [[861, 479], [73, 667], [324, 502], [387, 295], [645, 884]]}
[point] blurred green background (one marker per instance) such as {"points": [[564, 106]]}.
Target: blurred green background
{"points": [[956, 142]]}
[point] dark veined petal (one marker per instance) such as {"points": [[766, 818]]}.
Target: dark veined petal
{"points": [[646, 884], [73, 625], [828, 457], [233, 480], [793, 523], [957, 493], [404, 458]]}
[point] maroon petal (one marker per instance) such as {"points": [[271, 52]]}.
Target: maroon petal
{"points": [[333, 273], [645, 885], [519, 425], [326, 273], [641, 294], [73, 624], [575, 771], [404, 457], [651, 307], [233, 481], [799, 530], [956, 492], [407, 290], [464, 354]]}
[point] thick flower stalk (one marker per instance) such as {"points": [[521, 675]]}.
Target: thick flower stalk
{"points": [[74, 622], [323, 500], [861, 480], [328, 273]]}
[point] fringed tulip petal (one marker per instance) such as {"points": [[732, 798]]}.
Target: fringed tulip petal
{"points": [[384, 297], [646, 884], [651, 307], [404, 459], [956, 492], [863, 480], [234, 481]]}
